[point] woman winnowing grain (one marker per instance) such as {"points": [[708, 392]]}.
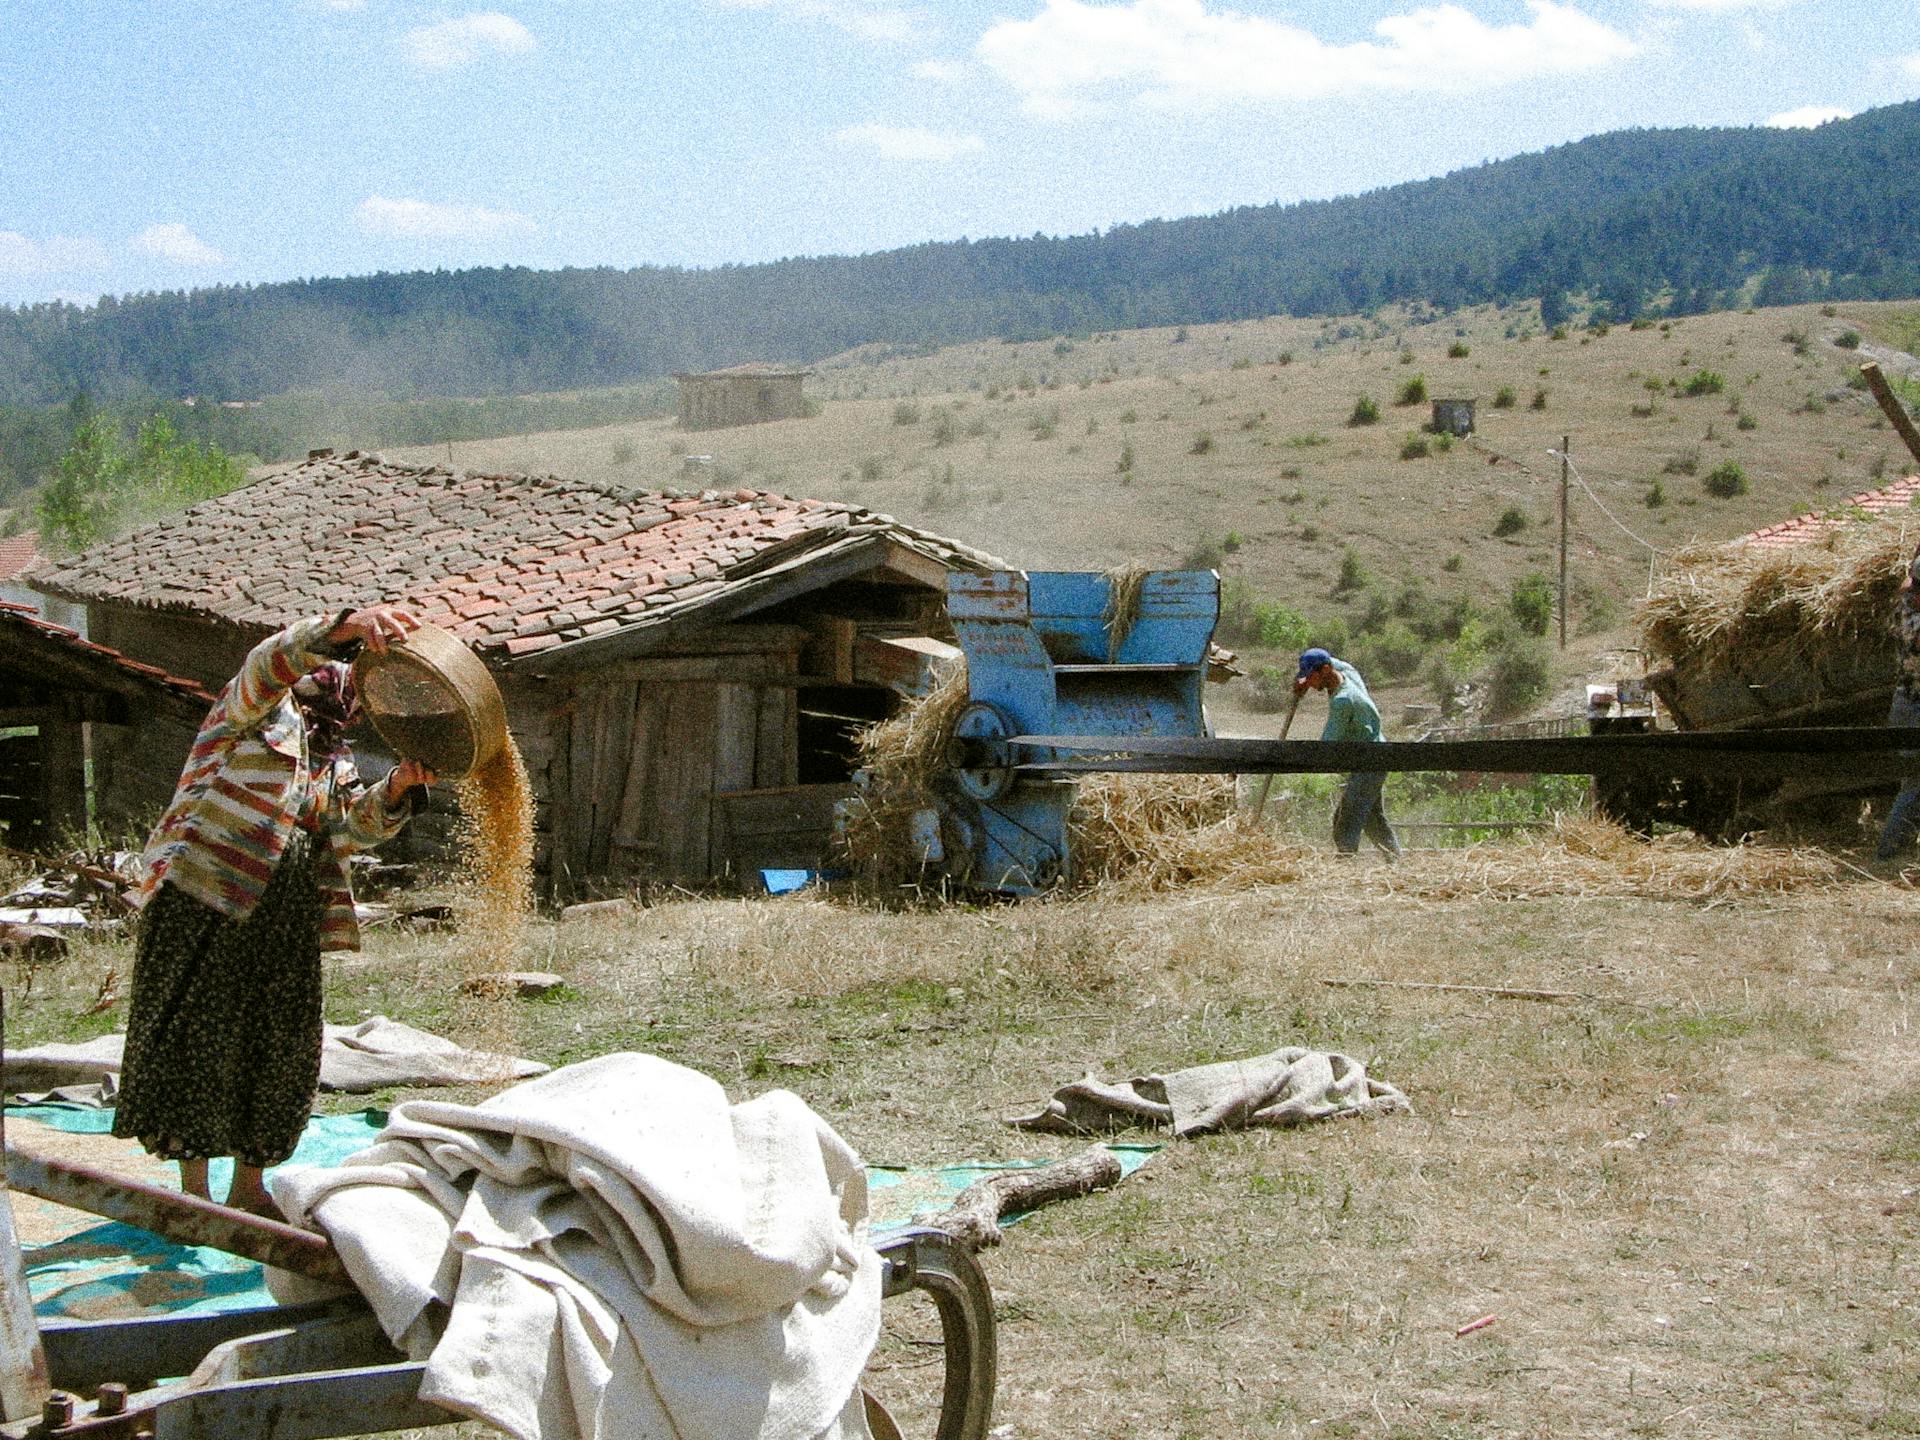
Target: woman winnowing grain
{"points": [[245, 886]]}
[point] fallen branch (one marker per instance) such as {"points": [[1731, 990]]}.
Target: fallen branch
{"points": [[1504, 992], [974, 1216]]}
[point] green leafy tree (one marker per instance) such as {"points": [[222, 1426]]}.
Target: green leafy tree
{"points": [[97, 488], [78, 503]]}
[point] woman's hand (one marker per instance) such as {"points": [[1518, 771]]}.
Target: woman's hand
{"points": [[407, 775], [376, 627]]}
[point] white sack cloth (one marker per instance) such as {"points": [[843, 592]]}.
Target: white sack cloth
{"points": [[614, 1250], [371, 1055], [1289, 1086]]}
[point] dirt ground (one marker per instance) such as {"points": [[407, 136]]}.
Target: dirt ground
{"points": [[1687, 1195]]}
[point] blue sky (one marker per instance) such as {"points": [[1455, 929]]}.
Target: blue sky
{"points": [[164, 144]]}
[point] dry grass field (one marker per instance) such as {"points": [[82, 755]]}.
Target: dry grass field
{"points": [[1228, 445], [1688, 1197], [1688, 1191]]}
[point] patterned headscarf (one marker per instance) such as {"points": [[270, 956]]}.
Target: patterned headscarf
{"points": [[330, 702]]}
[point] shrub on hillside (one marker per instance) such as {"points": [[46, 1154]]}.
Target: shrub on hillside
{"points": [[1458, 350], [1415, 447], [906, 412], [1531, 603], [1511, 522], [1504, 398], [1365, 412], [1414, 392], [1394, 651], [1517, 678], [1726, 480], [1353, 573], [1704, 382]]}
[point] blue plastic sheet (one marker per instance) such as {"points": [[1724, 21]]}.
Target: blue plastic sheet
{"points": [[115, 1271]]}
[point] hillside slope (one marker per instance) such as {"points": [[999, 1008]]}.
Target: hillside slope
{"points": [[1228, 445]]}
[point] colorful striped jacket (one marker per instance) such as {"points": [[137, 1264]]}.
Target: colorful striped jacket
{"points": [[246, 784]]}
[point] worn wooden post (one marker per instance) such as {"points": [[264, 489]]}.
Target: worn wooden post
{"points": [[1566, 444], [1891, 406], [24, 1385]]}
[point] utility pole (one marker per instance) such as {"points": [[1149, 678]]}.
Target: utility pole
{"points": [[1566, 444]]}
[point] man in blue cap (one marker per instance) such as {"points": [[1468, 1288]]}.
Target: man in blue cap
{"points": [[1351, 715]]}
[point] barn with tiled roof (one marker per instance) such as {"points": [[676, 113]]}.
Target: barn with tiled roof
{"points": [[683, 673], [83, 729], [1818, 524]]}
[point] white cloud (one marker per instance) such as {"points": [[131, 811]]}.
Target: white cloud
{"points": [[1720, 7], [343, 5], [1178, 55], [941, 72], [1909, 65], [867, 19], [23, 255], [425, 220], [454, 44], [1807, 117], [908, 142], [175, 243]]}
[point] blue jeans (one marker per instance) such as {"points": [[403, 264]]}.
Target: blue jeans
{"points": [[1904, 819], [1363, 810]]}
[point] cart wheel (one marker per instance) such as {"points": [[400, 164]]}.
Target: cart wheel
{"points": [[879, 1419]]}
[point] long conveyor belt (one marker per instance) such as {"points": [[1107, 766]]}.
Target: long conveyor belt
{"points": [[1849, 752]]}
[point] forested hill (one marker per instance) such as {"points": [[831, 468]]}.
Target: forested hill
{"points": [[1679, 219]]}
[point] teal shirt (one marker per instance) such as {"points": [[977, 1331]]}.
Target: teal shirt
{"points": [[1351, 713]]}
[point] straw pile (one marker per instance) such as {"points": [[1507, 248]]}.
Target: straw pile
{"points": [[1591, 858], [1138, 832], [1125, 586], [1722, 603], [905, 761]]}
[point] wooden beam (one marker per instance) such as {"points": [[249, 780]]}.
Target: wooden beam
{"points": [[1890, 404], [813, 569]]}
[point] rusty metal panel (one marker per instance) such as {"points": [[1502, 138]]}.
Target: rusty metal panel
{"points": [[183, 1219]]}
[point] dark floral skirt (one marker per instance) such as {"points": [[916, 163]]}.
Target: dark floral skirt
{"points": [[223, 1033]]}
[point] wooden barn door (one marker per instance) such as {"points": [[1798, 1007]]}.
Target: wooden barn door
{"points": [[636, 769]]}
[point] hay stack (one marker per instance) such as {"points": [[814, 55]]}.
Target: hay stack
{"points": [[1138, 832], [1722, 604]]}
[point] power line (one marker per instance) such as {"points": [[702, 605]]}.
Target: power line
{"points": [[1601, 506]]}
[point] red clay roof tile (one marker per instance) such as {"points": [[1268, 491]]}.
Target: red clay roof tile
{"points": [[1815, 524], [520, 556]]}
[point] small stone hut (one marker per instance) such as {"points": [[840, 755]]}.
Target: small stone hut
{"points": [[683, 673], [741, 395], [1453, 417]]}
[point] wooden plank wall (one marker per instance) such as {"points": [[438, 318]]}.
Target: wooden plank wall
{"points": [[628, 761]]}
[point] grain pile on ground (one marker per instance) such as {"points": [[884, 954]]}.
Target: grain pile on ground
{"points": [[1722, 603], [1591, 858], [494, 894], [1139, 832]]}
